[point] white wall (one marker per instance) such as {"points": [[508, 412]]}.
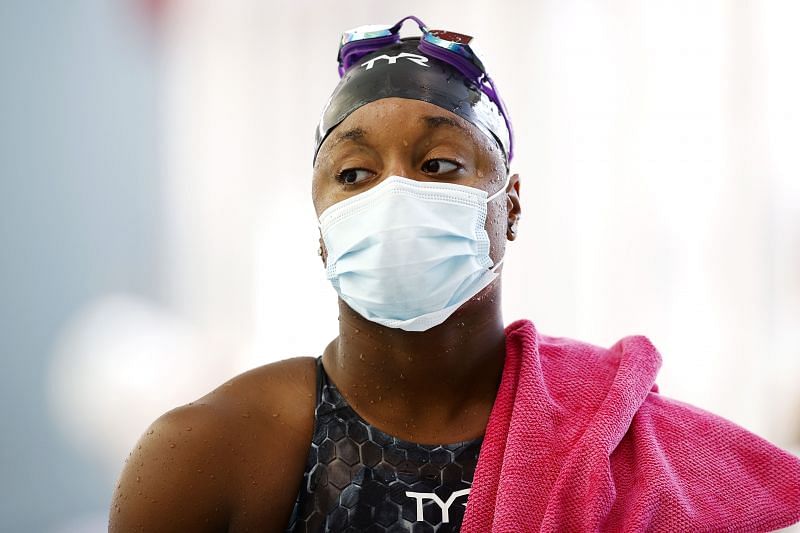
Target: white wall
{"points": [[657, 143]]}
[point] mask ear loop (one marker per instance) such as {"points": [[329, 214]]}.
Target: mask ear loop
{"points": [[502, 189], [494, 268]]}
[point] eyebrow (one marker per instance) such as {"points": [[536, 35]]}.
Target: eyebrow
{"points": [[431, 121], [353, 134], [437, 121]]}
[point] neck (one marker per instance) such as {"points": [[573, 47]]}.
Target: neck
{"points": [[432, 386]]}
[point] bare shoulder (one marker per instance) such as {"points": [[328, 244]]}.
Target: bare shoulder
{"points": [[232, 460]]}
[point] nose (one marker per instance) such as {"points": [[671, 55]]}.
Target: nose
{"points": [[399, 164]]}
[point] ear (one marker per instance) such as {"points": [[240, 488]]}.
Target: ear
{"points": [[513, 206], [323, 252]]}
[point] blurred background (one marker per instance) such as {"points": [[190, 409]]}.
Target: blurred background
{"points": [[157, 235]]}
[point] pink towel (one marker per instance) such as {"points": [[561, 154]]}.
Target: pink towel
{"points": [[580, 440]]}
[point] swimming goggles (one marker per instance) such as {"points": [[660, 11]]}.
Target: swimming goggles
{"points": [[447, 46]]}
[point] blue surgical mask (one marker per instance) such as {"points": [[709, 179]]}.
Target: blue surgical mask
{"points": [[406, 254]]}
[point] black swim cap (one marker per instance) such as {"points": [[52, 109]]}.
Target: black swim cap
{"points": [[400, 70]]}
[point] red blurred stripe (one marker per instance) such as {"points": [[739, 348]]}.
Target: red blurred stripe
{"points": [[154, 10]]}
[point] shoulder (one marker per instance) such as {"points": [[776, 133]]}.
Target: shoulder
{"points": [[564, 352], [196, 467], [631, 349], [581, 375]]}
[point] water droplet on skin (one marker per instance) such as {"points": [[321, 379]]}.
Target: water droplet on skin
{"points": [[410, 359], [245, 415], [150, 432], [361, 356], [138, 479], [275, 415], [402, 376], [188, 429], [171, 444], [356, 331]]}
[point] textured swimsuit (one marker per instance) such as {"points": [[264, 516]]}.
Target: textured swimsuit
{"points": [[358, 478]]}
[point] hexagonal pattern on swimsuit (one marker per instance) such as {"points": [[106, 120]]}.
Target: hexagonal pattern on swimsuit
{"points": [[359, 478]]}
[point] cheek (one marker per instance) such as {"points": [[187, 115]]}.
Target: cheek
{"points": [[321, 196], [315, 194], [496, 226]]}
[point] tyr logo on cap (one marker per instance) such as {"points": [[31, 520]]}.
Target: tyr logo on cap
{"points": [[416, 58]]}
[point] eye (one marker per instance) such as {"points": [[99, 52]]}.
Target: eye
{"points": [[351, 176], [439, 166]]}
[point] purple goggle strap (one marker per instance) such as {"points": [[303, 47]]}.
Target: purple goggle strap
{"points": [[355, 50], [474, 73], [352, 51]]}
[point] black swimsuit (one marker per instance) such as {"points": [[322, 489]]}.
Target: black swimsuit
{"points": [[358, 478]]}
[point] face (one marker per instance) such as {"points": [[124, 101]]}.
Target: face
{"points": [[420, 141]]}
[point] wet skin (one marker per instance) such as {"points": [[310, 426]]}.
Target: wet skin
{"points": [[234, 459]]}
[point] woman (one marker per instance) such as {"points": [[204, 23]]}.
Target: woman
{"points": [[425, 413]]}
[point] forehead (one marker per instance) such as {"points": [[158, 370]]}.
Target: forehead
{"points": [[393, 118]]}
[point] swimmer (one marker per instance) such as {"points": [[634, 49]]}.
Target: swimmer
{"points": [[386, 429]]}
